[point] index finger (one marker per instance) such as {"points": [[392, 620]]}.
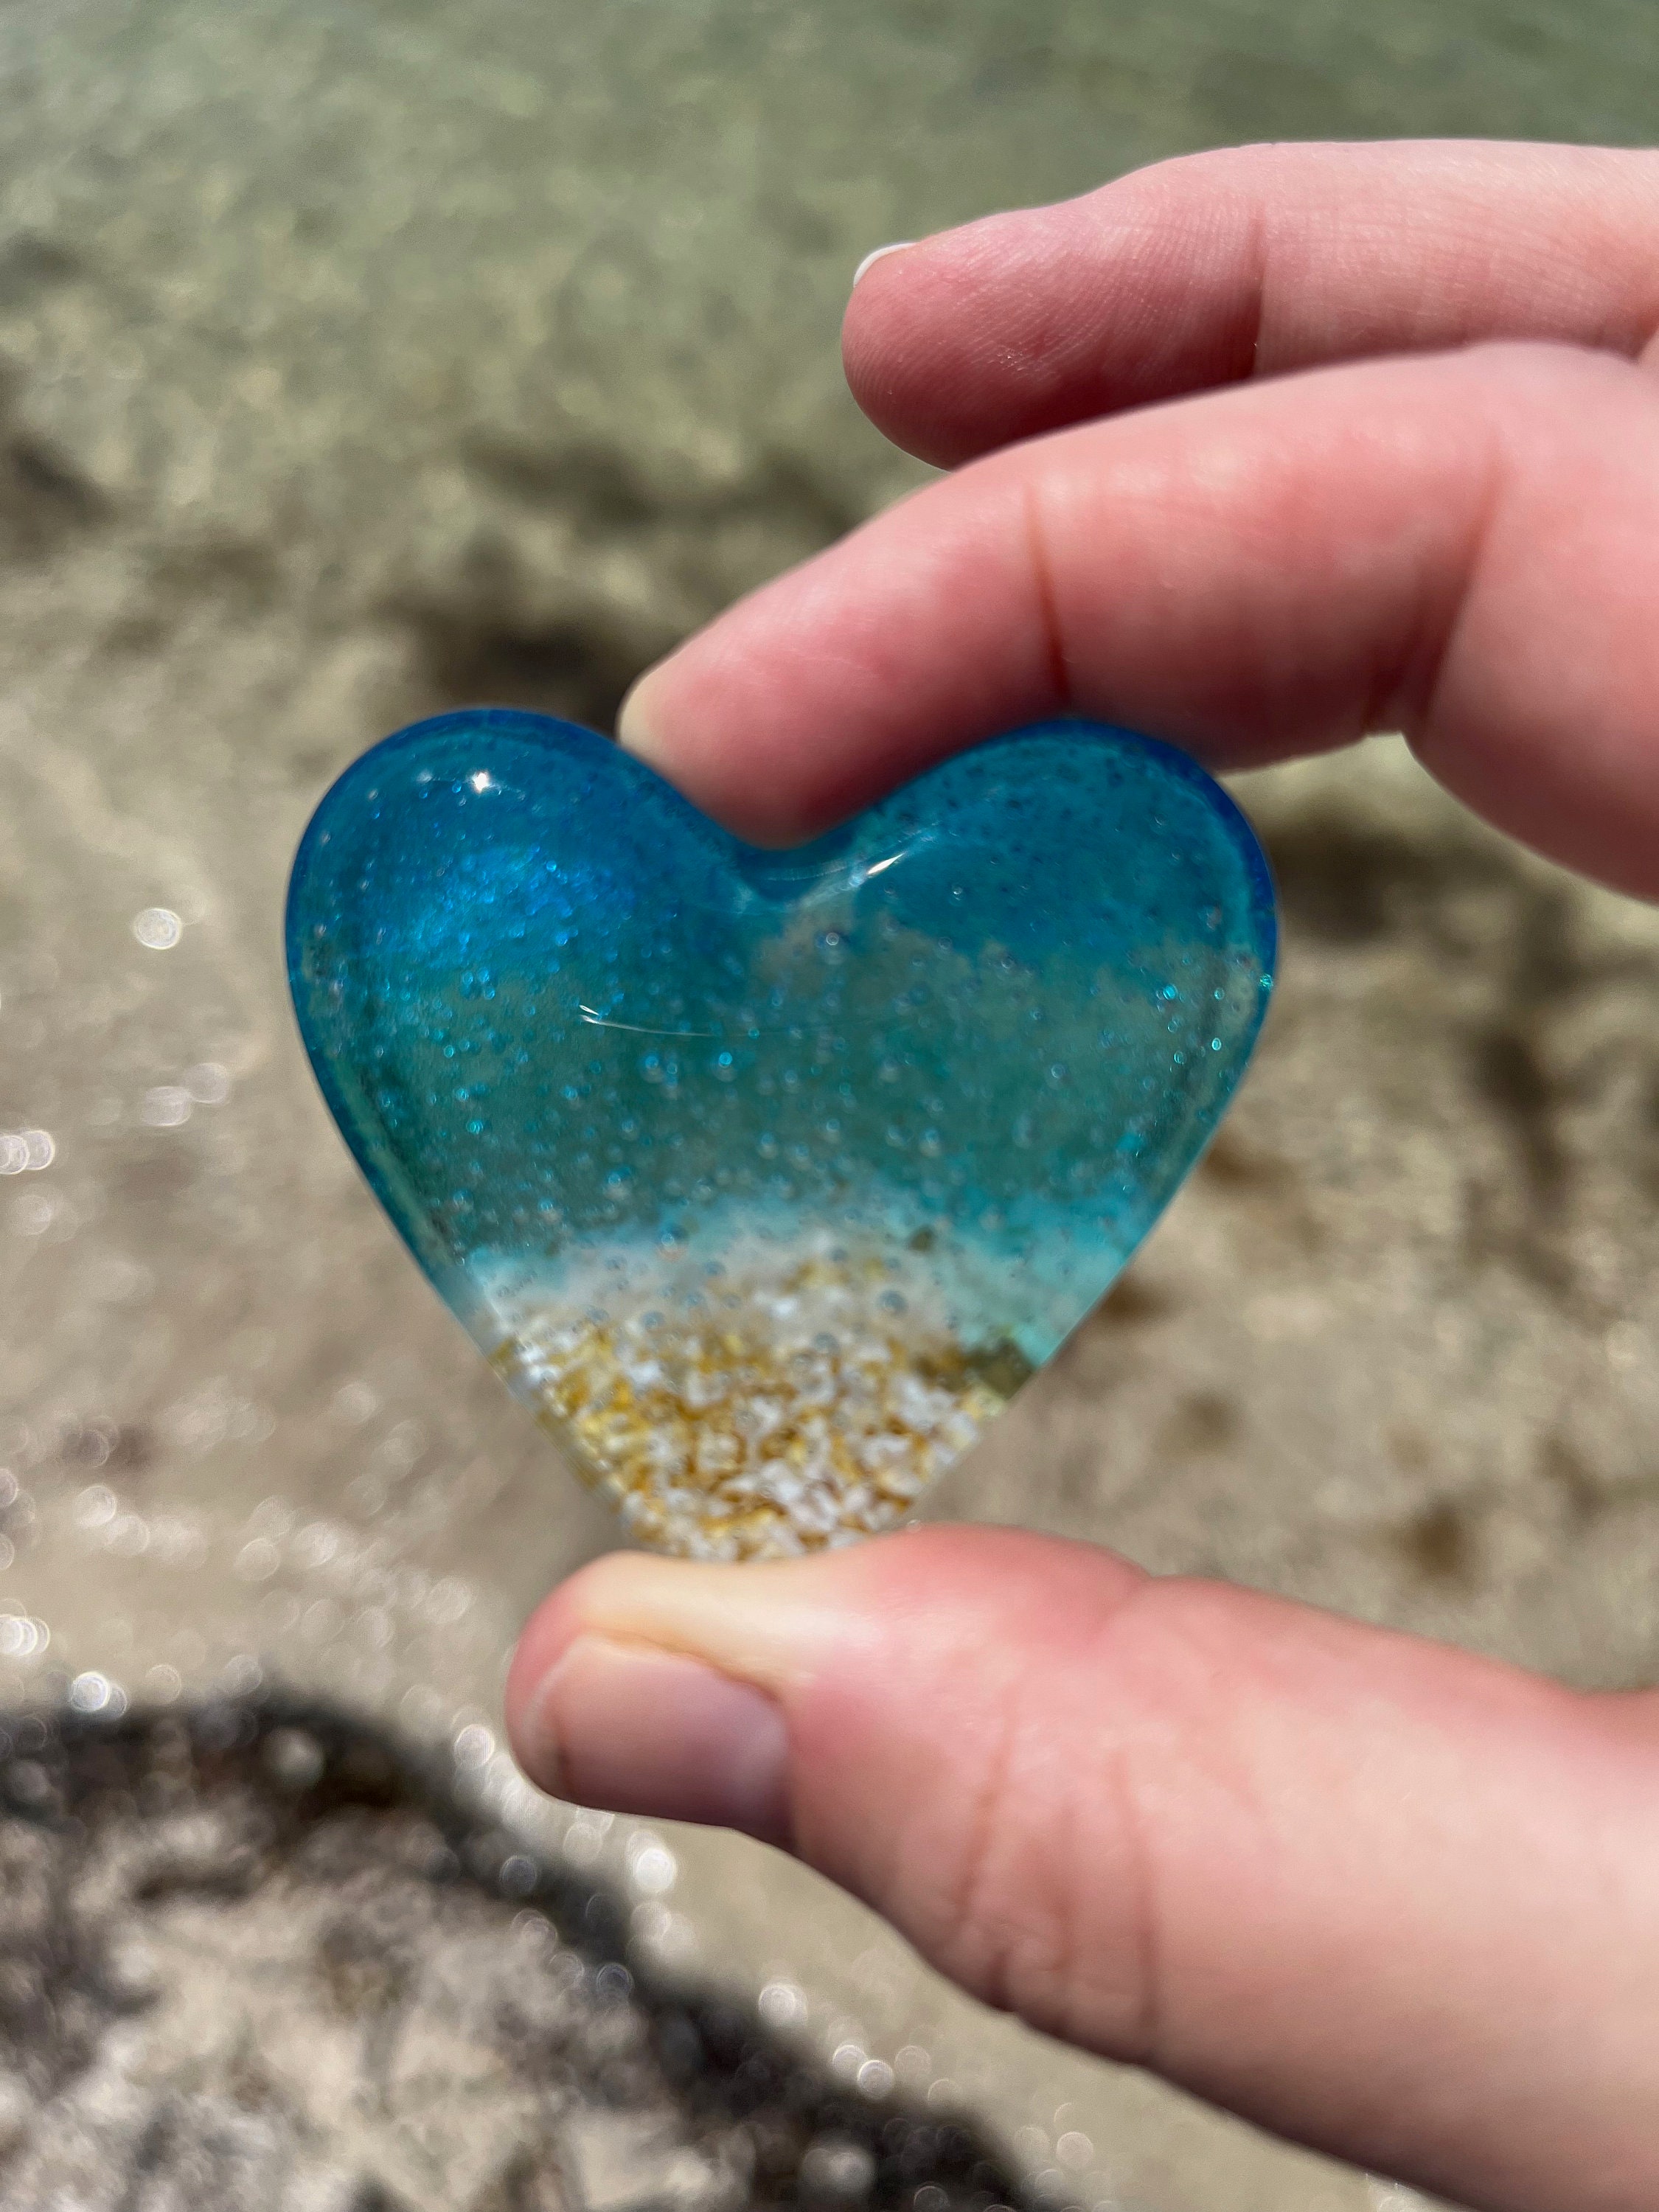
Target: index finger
{"points": [[1464, 546]]}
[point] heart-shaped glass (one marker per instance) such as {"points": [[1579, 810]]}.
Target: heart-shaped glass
{"points": [[767, 1177]]}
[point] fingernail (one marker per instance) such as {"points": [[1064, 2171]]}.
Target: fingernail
{"points": [[772, 1624], [634, 1730], [870, 260], [635, 731]]}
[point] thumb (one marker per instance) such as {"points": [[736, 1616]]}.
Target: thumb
{"points": [[1390, 1898]]}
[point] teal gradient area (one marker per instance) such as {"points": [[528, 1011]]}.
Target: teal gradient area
{"points": [[588, 1048]]}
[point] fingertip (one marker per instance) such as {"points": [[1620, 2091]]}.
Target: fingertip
{"points": [[879, 254], [645, 1684], [631, 1729], [891, 335], [637, 731], [702, 719], [770, 1622], [692, 751]]}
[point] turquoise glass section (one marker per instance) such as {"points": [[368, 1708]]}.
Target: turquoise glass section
{"points": [[767, 1177]]}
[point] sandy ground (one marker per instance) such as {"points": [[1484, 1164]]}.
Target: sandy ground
{"points": [[355, 361]]}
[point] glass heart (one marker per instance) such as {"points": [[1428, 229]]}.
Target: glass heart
{"points": [[767, 1177]]}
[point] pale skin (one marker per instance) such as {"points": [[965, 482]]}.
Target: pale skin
{"points": [[1260, 451]]}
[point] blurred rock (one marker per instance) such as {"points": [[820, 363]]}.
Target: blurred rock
{"points": [[353, 2026]]}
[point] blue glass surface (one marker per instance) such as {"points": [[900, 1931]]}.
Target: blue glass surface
{"points": [[768, 1176]]}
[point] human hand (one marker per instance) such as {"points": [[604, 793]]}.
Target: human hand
{"points": [[1383, 1896]]}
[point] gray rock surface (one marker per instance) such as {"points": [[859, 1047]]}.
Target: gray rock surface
{"points": [[255, 1963], [356, 360]]}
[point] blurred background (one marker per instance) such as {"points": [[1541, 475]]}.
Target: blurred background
{"points": [[363, 357]]}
